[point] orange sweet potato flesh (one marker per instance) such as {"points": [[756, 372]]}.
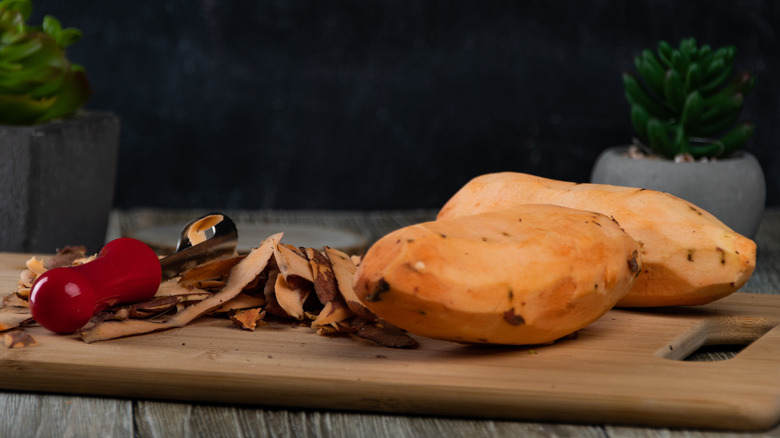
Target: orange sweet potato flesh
{"points": [[527, 275], [689, 257]]}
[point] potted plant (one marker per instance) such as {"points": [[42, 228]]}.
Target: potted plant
{"points": [[685, 109], [57, 163]]}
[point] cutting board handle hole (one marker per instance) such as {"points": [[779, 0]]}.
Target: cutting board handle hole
{"points": [[716, 339], [710, 353]]}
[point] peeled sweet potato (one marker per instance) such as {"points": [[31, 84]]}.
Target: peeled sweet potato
{"points": [[526, 275], [689, 257]]}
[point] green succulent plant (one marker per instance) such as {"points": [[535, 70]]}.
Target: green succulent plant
{"points": [[683, 101], [37, 81]]}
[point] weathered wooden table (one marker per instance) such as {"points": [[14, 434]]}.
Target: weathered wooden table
{"points": [[33, 414]]}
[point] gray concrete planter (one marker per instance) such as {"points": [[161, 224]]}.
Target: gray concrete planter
{"points": [[57, 183], [733, 189]]}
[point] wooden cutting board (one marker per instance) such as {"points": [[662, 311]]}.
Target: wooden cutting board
{"points": [[622, 369]]}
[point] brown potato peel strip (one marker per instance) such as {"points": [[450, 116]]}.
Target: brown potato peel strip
{"points": [[16, 302], [65, 257], [290, 299], [240, 276], [18, 339], [243, 301], [10, 319], [382, 333], [213, 273], [336, 309], [344, 271], [248, 319], [271, 303], [333, 312], [292, 262], [172, 287]]}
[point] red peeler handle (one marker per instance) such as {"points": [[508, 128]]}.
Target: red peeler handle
{"points": [[126, 270]]}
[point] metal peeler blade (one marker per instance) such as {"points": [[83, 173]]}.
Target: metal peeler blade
{"points": [[191, 253]]}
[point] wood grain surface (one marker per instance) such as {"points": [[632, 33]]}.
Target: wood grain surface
{"points": [[37, 414], [621, 369]]}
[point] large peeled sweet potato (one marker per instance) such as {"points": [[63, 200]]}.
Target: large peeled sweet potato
{"points": [[689, 257], [525, 275]]}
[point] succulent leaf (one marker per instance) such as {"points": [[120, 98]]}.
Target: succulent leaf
{"points": [[715, 67], [63, 37], [18, 51], [713, 127], [727, 144], [742, 83], [73, 95], [728, 53], [637, 95], [640, 118], [681, 144], [705, 55], [23, 7], [729, 104], [651, 71], [18, 110], [665, 52], [693, 76], [52, 26], [688, 49], [679, 63], [712, 83], [712, 149], [691, 109], [37, 81], [69, 36], [658, 137], [737, 137], [674, 90]]}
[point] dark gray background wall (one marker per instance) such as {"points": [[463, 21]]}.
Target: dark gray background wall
{"points": [[384, 104]]}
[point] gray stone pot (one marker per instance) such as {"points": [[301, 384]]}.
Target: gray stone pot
{"points": [[57, 183], [733, 189]]}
